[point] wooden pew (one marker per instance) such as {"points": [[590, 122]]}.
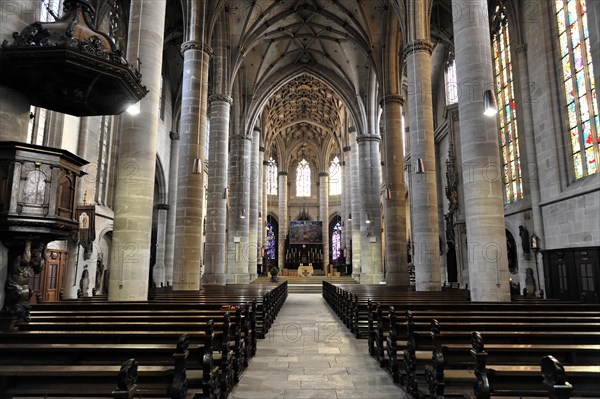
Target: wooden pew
{"points": [[82, 379]]}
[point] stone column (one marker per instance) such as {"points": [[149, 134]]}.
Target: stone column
{"points": [[14, 106], [356, 200], [171, 220], [253, 206], [425, 227], [530, 168], [134, 190], [282, 186], [484, 208], [87, 148], [265, 210], [395, 204], [324, 214], [371, 261], [190, 186], [238, 226], [158, 270], [262, 192], [218, 168], [347, 200]]}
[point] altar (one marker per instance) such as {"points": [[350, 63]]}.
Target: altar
{"points": [[305, 270]]}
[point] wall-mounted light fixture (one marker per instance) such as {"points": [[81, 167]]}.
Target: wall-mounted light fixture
{"points": [[243, 214], [368, 221], [134, 109], [420, 166], [489, 103], [350, 216], [197, 168]]}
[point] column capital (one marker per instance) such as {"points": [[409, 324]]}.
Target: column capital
{"points": [[323, 174], [282, 173], [196, 45], [347, 148], [261, 149], [367, 137], [521, 48], [220, 97], [165, 207], [266, 163], [418, 46], [174, 135], [352, 129], [391, 98]]}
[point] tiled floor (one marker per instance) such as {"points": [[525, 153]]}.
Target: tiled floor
{"points": [[309, 353]]}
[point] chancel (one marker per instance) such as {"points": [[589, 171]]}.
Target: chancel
{"points": [[299, 198]]}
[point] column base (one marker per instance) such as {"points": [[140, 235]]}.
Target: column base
{"points": [[253, 276], [356, 276], [371, 278], [158, 275], [214, 279], [489, 296], [428, 286], [397, 279], [238, 278]]}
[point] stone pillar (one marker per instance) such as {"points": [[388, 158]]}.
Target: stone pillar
{"points": [[530, 168], [484, 208], [218, 168], [265, 210], [134, 190], [14, 106], [282, 186], [87, 148], [425, 227], [395, 204], [190, 186], [171, 220], [347, 201], [253, 206], [371, 261], [324, 214], [262, 193], [238, 226], [356, 199], [158, 270]]}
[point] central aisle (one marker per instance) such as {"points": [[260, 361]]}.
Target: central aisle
{"points": [[309, 353]]}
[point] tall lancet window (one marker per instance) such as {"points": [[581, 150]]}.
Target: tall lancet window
{"points": [[335, 177], [507, 109], [451, 83], [272, 177], [303, 179], [579, 86], [336, 242], [271, 246]]}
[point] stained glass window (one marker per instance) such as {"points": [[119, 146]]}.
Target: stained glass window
{"points": [[451, 83], [303, 179], [579, 85], [272, 177], [335, 177], [271, 242], [336, 242], [507, 109]]}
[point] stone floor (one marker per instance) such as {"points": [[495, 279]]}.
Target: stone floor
{"points": [[309, 353]]}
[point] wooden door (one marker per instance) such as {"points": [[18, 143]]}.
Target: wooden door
{"points": [[586, 266], [52, 275]]}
